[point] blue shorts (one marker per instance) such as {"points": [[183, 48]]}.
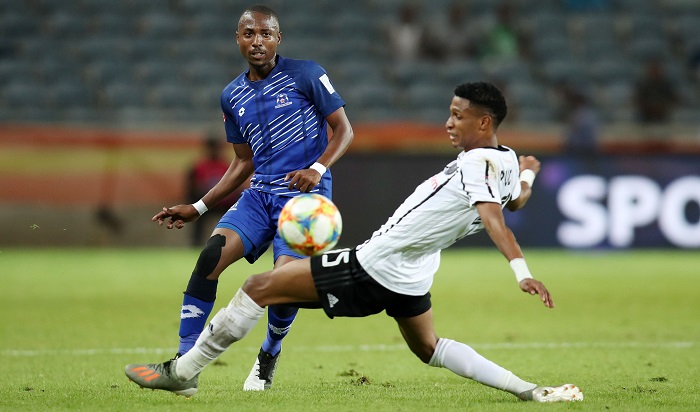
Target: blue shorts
{"points": [[254, 217]]}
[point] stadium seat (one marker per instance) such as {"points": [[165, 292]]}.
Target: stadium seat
{"points": [[529, 101], [21, 94], [198, 71], [551, 46], [533, 115], [593, 49], [408, 72], [169, 96], [204, 27], [615, 94], [63, 24], [102, 49], [14, 70], [596, 26], [367, 96], [687, 115], [103, 72], [428, 94], [686, 26], [644, 48], [609, 70], [509, 71], [160, 25], [189, 45], [123, 94], [69, 95], [112, 25], [547, 24], [16, 25], [619, 114], [564, 70], [460, 71]]}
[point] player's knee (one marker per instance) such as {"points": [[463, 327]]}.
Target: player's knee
{"points": [[210, 256], [258, 287]]}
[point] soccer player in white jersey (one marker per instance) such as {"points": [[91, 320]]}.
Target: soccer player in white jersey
{"points": [[394, 269], [276, 115]]}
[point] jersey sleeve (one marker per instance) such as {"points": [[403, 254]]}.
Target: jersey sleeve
{"points": [[233, 132], [516, 188], [318, 87], [480, 179]]}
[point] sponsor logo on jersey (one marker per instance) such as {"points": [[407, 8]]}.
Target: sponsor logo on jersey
{"points": [[241, 111], [282, 100], [327, 83], [451, 168]]}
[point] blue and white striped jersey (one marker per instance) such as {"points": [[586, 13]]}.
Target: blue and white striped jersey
{"points": [[282, 118]]}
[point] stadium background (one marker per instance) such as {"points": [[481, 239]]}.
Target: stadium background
{"points": [[104, 106]]}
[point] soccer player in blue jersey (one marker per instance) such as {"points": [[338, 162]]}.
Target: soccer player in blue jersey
{"points": [[276, 115]]}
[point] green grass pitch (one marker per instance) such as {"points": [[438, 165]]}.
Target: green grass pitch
{"points": [[625, 330]]}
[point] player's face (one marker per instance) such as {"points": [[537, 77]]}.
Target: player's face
{"points": [[466, 124], [258, 36]]}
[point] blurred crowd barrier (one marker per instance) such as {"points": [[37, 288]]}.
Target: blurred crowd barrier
{"points": [[99, 187]]}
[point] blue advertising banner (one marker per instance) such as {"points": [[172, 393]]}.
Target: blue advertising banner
{"points": [[614, 202], [601, 201]]}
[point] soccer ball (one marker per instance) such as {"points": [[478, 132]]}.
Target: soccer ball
{"points": [[310, 224]]}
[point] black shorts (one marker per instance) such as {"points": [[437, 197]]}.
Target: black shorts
{"points": [[345, 289]]}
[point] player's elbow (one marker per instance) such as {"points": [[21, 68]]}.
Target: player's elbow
{"points": [[520, 201], [514, 205]]}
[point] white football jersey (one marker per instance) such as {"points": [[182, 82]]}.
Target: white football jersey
{"points": [[404, 254]]}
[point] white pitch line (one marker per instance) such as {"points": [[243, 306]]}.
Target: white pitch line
{"points": [[357, 348]]}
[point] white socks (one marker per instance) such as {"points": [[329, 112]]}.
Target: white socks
{"points": [[464, 361], [229, 325]]}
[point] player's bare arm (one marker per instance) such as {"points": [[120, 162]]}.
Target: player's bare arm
{"points": [[531, 164], [494, 223], [238, 172], [338, 143]]}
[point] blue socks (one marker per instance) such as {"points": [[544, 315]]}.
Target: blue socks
{"points": [[195, 313], [193, 319], [280, 319]]}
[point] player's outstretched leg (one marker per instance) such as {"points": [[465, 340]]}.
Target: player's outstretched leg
{"points": [[465, 361], [280, 318], [563, 393], [161, 376]]}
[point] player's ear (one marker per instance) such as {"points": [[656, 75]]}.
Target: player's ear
{"points": [[279, 37], [485, 122]]}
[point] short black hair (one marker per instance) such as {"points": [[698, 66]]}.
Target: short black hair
{"points": [[263, 9], [485, 95]]}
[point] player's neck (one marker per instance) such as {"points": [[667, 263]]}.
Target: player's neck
{"points": [[491, 142], [261, 72]]}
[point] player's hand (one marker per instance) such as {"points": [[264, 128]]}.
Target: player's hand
{"points": [[535, 287], [303, 180], [176, 216], [529, 162]]}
